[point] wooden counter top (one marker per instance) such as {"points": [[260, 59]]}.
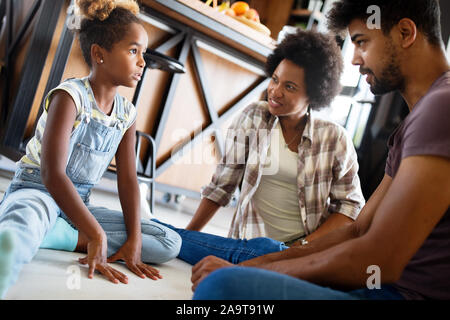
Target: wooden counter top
{"points": [[195, 14]]}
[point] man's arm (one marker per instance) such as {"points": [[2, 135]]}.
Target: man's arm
{"points": [[277, 260], [417, 199], [334, 237]]}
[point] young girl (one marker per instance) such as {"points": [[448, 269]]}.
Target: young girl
{"points": [[85, 124]]}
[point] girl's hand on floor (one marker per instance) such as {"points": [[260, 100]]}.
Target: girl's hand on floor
{"points": [[130, 252], [96, 259]]}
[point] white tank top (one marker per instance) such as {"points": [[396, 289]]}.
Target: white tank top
{"points": [[276, 198]]}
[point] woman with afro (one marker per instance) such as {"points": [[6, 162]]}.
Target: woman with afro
{"points": [[297, 173]]}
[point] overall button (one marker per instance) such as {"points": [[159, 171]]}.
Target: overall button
{"points": [[120, 125]]}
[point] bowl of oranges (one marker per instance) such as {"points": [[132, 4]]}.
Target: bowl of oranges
{"points": [[241, 11]]}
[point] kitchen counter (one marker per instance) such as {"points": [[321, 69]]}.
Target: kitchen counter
{"points": [[196, 14]]}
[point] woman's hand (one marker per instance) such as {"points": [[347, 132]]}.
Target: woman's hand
{"points": [[130, 252], [96, 259]]}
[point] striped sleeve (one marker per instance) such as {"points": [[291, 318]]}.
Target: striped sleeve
{"points": [[345, 194], [130, 113], [71, 89]]}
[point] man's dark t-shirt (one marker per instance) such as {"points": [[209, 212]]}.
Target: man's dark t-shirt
{"points": [[426, 131]]}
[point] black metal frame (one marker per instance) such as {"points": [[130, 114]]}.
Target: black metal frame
{"points": [[147, 176], [17, 114], [185, 38], [189, 37], [155, 60]]}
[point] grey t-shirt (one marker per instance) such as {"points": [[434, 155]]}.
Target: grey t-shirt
{"points": [[426, 131]]}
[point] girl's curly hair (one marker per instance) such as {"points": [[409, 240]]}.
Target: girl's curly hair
{"points": [[104, 22], [320, 57]]}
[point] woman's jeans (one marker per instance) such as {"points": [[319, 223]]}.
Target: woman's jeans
{"points": [[197, 245], [245, 283], [28, 211]]}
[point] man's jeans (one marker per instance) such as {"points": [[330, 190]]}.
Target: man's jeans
{"points": [[245, 283]]}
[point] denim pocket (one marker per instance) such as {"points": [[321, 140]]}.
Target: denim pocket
{"points": [[98, 136], [87, 165]]}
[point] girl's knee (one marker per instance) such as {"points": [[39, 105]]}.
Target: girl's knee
{"points": [[167, 247], [29, 208], [173, 243]]}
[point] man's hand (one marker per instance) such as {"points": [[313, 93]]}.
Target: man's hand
{"points": [[96, 259], [130, 252], [205, 266]]}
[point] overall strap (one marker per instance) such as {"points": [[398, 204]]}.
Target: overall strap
{"points": [[121, 121], [87, 99]]}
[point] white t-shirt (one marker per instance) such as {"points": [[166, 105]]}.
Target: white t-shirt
{"points": [[276, 197]]}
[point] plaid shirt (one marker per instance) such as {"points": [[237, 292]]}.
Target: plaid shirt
{"points": [[327, 178]]}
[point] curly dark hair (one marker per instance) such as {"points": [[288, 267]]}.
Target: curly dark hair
{"points": [[105, 32], [320, 57], [424, 13]]}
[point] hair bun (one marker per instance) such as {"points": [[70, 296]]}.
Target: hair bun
{"points": [[101, 9], [130, 5]]}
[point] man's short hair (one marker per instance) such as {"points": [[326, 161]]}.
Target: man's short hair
{"points": [[424, 13]]}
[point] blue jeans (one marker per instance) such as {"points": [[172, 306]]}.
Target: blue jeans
{"points": [[159, 244], [197, 245], [28, 214], [245, 283]]}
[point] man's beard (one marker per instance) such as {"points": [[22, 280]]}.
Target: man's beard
{"points": [[391, 77]]}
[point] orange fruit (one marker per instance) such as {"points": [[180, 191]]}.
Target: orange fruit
{"points": [[252, 14], [230, 12], [240, 7]]}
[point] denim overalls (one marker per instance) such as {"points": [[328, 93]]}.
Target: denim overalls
{"points": [[29, 210]]}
